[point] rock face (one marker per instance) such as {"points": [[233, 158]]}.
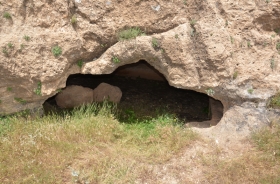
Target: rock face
{"points": [[226, 49], [108, 92], [74, 96]]}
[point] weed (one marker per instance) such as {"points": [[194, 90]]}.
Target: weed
{"points": [[235, 74], [130, 33], [248, 44], [278, 46], [9, 89], [273, 36], [115, 59], [59, 90], [210, 92], [275, 101], [73, 19], [38, 90], [5, 51], [176, 36], [7, 15], [20, 100], [231, 39], [272, 64], [185, 2], [26, 38], [10, 45], [22, 46], [56, 50], [80, 63], [192, 22], [155, 43], [250, 91], [267, 1]]}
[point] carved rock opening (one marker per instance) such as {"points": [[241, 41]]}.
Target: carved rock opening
{"points": [[146, 94]]}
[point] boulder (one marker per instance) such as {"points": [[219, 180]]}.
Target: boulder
{"points": [[108, 92], [74, 96]]}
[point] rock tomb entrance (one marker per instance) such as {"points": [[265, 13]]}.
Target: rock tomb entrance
{"points": [[147, 94]]}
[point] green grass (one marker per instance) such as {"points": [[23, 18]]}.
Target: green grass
{"points": [[80, 63], [87, 144], [7, 15], [74, 19], [115, 59], [20, 100], [130, 33], [278, 46], [275, 101], [57, 51], [235, 74], [155, 43], [38, 90], [26, 38]]}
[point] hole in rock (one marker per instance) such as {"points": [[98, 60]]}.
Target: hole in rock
{"points": [[146, 94]]}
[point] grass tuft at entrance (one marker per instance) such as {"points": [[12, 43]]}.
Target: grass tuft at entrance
{"points": [[86, 145]]}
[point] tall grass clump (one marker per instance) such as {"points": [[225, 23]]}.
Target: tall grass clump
{"points": [[130, 33], [275, 101], [86, 145]]}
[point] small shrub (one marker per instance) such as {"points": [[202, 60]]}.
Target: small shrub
{"points": [[56, 50], [27, 38], [235, 74], [278, 46], [5, 51], [9, 89], [130, 33], [155, 43], [115, 59], [210, 92], [272, 64], [74, 19], [20, 100], [250, 91], [275, 101], [37, 91], [193, 22], [10, 45], [80, 63], [176, 36], [7, 15], [248, 44]]}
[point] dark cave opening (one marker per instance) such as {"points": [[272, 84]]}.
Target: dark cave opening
{"points": [[146, 94]]}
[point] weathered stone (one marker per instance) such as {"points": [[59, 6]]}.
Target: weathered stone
{"points": [[108, 92], [74, 96]]}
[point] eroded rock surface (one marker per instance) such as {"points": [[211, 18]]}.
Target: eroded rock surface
{"points": [[227, 49]]}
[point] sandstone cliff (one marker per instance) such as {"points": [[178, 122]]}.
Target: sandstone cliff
{"points": [[227, 49]]}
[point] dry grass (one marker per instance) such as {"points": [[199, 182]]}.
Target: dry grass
{"points": [[261, 164], [86, 146]]}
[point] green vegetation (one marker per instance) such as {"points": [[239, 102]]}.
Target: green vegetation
{"points": [[56, 50], [248, 44], [74, 19], [130, 33], [272, 64], [235, 74], [210, 92], [7, 15], [5, 51], [275, 101], [38, 90], [26, 38], [176, 36], [9, 89], [278, 46], [192, 22], [20, 100], [251, 90], [231, 39], [53, 149], [155, 43], [115, 59], [10, 45], [80, 63]]}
